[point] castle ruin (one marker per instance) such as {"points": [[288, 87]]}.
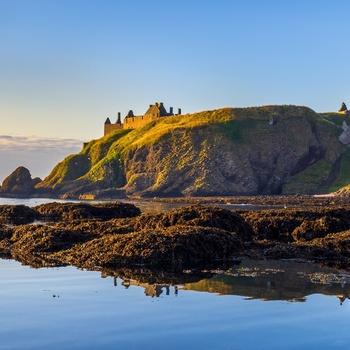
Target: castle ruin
{"points": [[343, 109], [131, 121]]}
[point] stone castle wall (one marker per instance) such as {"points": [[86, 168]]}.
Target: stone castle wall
{"points": [[154, 112], [108, 128], [138, 121]]}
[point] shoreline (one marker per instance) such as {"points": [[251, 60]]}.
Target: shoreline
{"points": [[285, 201], [114, 235]]}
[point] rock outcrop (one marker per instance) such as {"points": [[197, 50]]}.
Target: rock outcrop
{"points": [[345, 135], [343, 108], [19, 183], [189, 237]]}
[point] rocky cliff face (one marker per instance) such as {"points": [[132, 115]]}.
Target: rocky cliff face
{"points": [[246, 156], [240, 151], [19, 183]]}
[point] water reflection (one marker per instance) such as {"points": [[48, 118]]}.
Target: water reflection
{"points": [[152, 290], [263, 280], [113, 312]]}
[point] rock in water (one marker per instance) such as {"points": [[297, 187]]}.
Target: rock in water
{"points": [[19, 183]]}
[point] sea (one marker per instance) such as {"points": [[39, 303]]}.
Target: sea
{"points": [[249, 305]]}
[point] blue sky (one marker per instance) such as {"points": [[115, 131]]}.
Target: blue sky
{"points": [[67, 65]]}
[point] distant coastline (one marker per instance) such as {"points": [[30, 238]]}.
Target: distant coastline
{"points": [[256, 151]]}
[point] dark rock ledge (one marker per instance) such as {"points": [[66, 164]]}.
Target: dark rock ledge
{"points": [[117, 235]]}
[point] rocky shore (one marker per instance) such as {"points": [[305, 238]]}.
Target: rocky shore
{"points": [[112, 235], [283, 201]]}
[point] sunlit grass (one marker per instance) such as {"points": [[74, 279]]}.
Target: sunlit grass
{"points": [[210, 128], [309, 180], [343, 178]]}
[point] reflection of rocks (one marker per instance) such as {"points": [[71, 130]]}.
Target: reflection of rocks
{"points": [[153, 276], [342, 298], [276, 280], [151, 290], [264, 280]]}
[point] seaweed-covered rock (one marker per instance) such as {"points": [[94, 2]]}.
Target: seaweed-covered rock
{"points": [[198, 215], [297, 224], [311, 229], [273, 224], [298, 251], [337, 243], [17, 212], [71, 211], [5, 232], [175, 247], [99, 227], [44, 239], [188, 237]]}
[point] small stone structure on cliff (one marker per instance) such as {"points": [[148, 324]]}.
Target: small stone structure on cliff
{"points": [[343, 109], [131, 121]]}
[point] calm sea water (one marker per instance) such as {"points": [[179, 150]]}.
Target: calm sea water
{"points": [[253, 305], [66, 308], [145, 206]]}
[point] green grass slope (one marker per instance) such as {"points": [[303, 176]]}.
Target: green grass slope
{"points": [[225, 151]]}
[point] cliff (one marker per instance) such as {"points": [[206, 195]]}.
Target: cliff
{"points": [[230, 151]]}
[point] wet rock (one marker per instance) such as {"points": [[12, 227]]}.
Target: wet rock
{"points": [[5, 232], [44, 238], [297, 224], [198, 215], [174, 247], [311, 229], [99, 227], [189, 237], [17, 212], [273, 225], [71, 211], [345, 135], [337, 243], [34, 260]]}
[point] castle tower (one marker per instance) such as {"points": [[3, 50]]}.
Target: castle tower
{"points": [[119, 121], [130, 114], [162, 110], [109, 127]]}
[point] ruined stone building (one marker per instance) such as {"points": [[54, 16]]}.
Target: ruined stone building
{"points": [[343, 109], [131, 121]]}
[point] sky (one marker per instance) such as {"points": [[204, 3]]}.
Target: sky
{"points": [[67, 65]]}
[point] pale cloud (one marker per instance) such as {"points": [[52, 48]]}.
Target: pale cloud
{"points": [[38, 154]]}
